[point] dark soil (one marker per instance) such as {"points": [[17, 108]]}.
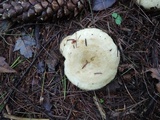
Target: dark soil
{"points": [[34, 93]]}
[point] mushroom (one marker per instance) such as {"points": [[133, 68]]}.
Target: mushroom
{"points": [[91, 58], [148, 4]]}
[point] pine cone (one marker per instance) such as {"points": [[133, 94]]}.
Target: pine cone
{"points": [[39, 10]]}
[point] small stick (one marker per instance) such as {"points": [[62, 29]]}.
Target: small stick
{"points": [[21, 118], [85, 64], [86, 42], [97, 73]]}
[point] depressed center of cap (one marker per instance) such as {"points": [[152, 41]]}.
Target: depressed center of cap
{"points": [[91, 58]]}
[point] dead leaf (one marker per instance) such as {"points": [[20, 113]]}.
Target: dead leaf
{"points": [[4, 67], [155, 73], [158, 87], [102, 4], [24, 44]]}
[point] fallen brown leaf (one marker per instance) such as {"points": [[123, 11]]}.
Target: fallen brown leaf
{"points": [[4, 67], [155, 73], [158, 87]]}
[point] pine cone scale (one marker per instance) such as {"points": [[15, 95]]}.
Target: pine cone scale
{"points": [[38, 8], [6, 6], [44, 4], [55, 6], [49, 11], [25, 6], [19, 9], [32, 2]]}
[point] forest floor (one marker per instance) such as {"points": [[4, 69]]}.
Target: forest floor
{"points": [[39, 88]]}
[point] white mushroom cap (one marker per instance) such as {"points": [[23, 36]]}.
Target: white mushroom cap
{"points": [[91, 58], [149, 3]]}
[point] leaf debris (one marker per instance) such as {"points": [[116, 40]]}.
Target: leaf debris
{"points": [[156, 74], [24, 44], [4, 67]]}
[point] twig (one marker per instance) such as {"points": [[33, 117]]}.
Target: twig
{"points": [[20, 118], [100, 108]]}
